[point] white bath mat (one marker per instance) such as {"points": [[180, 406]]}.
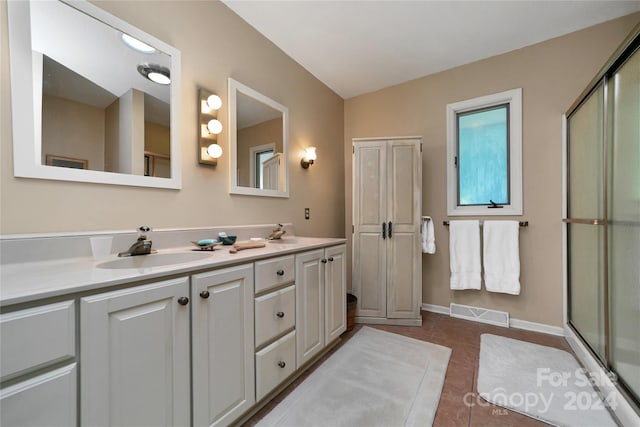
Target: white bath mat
{"points": [[375, 379], [538, 381]]}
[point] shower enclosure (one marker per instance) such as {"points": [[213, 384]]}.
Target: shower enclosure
{"points": [[603, 217]]}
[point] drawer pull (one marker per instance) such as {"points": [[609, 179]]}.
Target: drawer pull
{"points": [[280, 272], [204, 294], [331, 258], [324, 260], [280, 314], [282, 364], [183, 300]]}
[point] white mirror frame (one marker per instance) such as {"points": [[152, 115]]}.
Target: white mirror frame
{"points": [[234, 87], [26, 96]]}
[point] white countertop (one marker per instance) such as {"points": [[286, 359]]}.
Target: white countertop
{"points": [[30, 281]]}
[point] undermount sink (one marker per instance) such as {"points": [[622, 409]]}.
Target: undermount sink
{"points": [[154, 260]]}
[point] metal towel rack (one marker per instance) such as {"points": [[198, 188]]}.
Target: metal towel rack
{"points": [[521, 223]]}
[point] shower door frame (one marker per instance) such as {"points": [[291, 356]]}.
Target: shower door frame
{"points": [[626, 50]]}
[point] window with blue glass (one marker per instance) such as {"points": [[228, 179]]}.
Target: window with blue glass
{"points": [[484, 155]]}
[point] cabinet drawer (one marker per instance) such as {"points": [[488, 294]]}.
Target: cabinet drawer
{"points": [[35, 337], [274, 364], [46, 400], [274, 272], [275, 313]]}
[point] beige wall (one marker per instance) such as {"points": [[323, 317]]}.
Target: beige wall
{"points": [[552, 75], [157, 138], [83, 141], [215, 44]]}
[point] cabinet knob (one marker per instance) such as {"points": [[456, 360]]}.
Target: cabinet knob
{"points": [[331, 258], [324, 260], [204, 294], [280, 314], [183, 300], [282, 364], [280, 272]]}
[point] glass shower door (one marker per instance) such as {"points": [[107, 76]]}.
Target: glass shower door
{"points": [[586, 217], [624, 224]]}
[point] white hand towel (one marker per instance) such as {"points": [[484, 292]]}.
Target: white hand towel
{"points": [[428, 237], [464, 254], [501, 257]]}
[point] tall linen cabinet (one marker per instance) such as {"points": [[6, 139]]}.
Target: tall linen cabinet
{"points": [[387, 200]]}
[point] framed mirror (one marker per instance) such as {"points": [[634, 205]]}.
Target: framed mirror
{"points": [[94, 99], [258, 141]]}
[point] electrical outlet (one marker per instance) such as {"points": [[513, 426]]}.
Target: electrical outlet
{"points": [[306, 213]]}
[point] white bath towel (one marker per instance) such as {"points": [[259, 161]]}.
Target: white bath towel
{"points": [[464, 254], [502, 257], [428, 237]]}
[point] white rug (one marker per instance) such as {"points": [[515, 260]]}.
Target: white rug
{"points": [[375, 379], [538, 381]]}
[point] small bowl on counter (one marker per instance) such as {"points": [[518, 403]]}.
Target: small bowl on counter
{"points": [[227, 240]]}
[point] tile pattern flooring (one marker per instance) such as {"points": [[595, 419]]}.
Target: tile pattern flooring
{"points": [[463, 338]]}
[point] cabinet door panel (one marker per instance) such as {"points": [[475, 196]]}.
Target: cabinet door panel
{"points": [[135, 356], [369, 215], [403, 277], [223, 351], [335, 301], [309, 305], [404, 258]]}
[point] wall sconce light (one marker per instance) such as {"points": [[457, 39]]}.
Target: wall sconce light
{"points": [[209, 151], [308, 158]]}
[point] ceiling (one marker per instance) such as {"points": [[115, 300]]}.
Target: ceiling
{"points": [[360, 46]]}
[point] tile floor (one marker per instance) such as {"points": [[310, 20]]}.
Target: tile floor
{"points": [[463, 337]]}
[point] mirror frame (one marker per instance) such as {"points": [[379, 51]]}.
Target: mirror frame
{"points": [[25, 97], [234, 87]]}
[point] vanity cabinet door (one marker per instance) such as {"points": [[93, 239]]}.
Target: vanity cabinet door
{"points": [[223, 345], [309, 305], [135, 356], [335, 293]]}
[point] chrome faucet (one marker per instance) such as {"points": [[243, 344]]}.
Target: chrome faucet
{"points": [[141, 246], [277, 233]]}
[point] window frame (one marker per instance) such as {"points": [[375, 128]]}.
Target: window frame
{"points": [[513, 98]]}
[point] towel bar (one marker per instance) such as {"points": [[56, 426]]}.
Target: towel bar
{"points": [[521, 223]]}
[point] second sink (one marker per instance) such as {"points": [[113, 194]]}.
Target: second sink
{"points": [[154, 260]]}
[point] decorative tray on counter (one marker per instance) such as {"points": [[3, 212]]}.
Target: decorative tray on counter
{"points": [[205, 246]]}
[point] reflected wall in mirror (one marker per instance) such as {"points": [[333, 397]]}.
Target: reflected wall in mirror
{"points": [[258, 137], [89, 87]]}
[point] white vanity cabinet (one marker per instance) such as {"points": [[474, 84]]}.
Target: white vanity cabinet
{"points": [[38, 361], [320, 300], [223, 345], [135, 356], [204, 345]]}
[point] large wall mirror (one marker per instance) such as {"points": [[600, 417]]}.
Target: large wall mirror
{"points": [[94, 99], [258, 139]]}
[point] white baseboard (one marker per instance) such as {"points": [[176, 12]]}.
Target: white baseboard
{"points": [[514, 323], [536, 327], [623, 410], [385, 321], [435, 308]]}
